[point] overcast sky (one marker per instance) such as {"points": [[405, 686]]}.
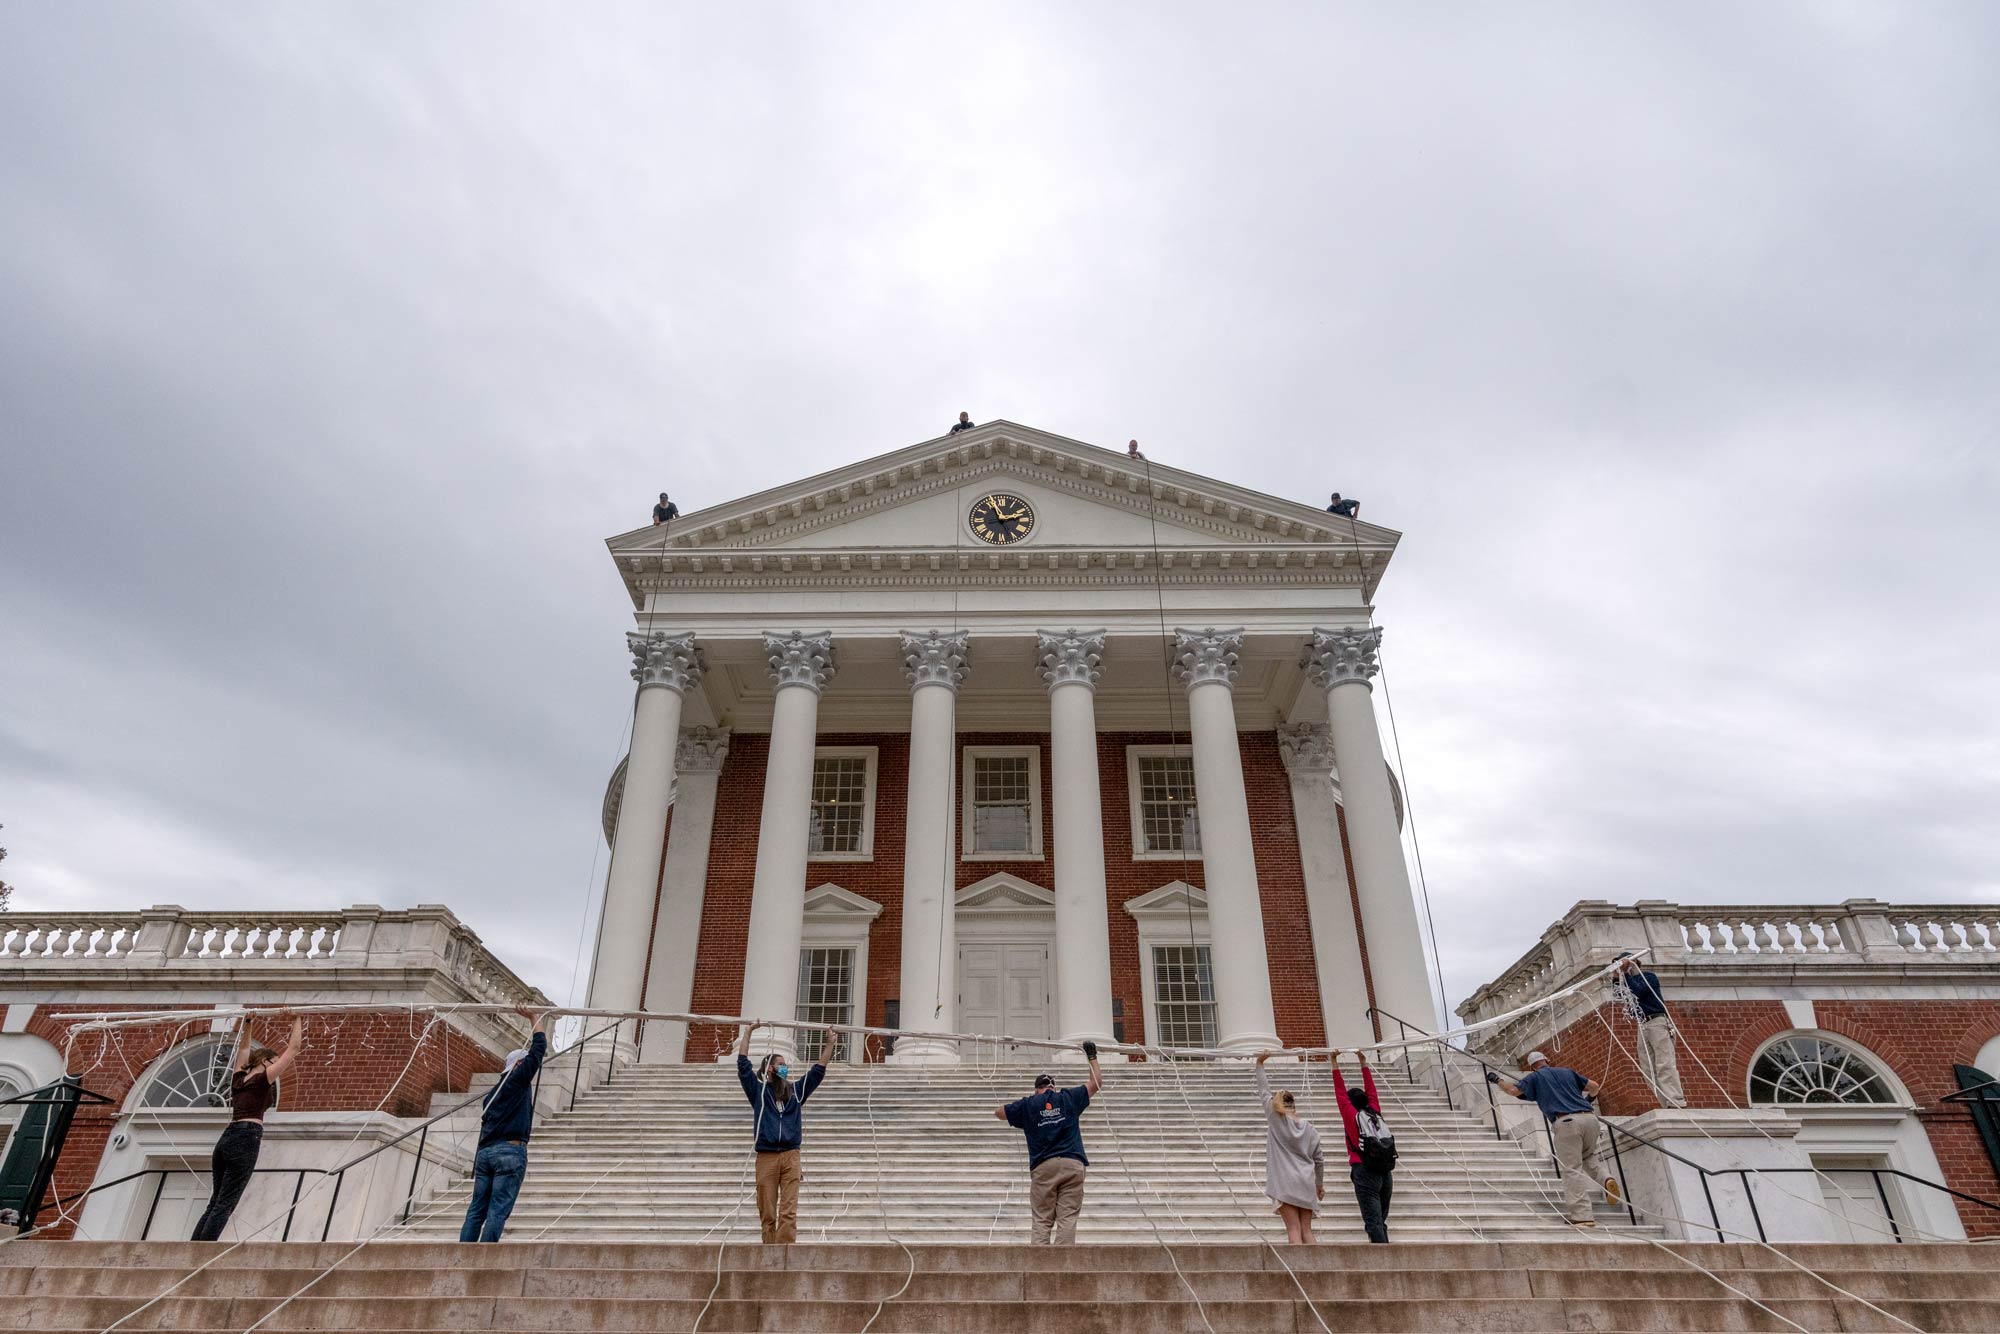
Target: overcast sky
{"points": [[334, 340]]}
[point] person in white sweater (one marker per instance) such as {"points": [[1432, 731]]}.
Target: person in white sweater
{"points": [[1294, 1168]]}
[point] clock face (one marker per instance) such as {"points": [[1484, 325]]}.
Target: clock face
{"points": [[1000, 518]]}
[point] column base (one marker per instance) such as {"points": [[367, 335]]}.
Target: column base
{"points": [[911, 1050]]}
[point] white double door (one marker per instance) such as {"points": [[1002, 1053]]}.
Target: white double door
{"points": [[1006, 988]]}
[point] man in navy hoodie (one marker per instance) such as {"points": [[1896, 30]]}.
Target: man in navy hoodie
{"points": [[509, 1116], [780, 1108]]}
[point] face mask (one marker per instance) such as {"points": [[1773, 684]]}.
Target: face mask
{"points": [[783, 1071]]}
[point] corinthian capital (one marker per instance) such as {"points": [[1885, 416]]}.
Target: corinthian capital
{"points": [[1206, 655], [1075, 656], [701, 749], [661, 659], [931, 658], [800, 659], [1307, 749], [1338, 656]]}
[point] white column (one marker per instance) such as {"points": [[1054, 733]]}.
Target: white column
{"points": [[1307, 750], [800, 665], [1343, 662], [1070, 663], [677, 925], [666, 667], [1205, 661], [934, 665]]}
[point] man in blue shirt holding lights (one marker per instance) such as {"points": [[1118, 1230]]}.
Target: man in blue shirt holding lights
{"points": [[1049, 1118]]}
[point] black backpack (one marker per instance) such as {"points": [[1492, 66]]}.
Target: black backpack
{"points": [[1378, 1149]]}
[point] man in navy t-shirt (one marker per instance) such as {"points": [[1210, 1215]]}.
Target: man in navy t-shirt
{"points": [[1048, 1117], [1565, 1098], [1657, 1059]]}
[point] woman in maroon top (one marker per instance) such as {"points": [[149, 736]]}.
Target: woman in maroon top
{"points": [[1371, 1188], [253, 1087]]}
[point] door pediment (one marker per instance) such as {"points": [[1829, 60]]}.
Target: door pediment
{"points": [[1002, 892]]}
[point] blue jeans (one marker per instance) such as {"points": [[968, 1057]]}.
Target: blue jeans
{"points": [[497, 1172]]}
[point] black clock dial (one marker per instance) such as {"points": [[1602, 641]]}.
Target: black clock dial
{"points": [[1001, 518]]}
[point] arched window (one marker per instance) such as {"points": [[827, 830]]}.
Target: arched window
{"points": [[196, 1075], [1808, 1069]]}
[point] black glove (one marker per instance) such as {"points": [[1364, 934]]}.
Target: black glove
{"points": [[1089, 1049], [1492, 1078]]}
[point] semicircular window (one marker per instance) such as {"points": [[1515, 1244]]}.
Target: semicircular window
{"points": [[196, 1076], [1812, 1070]]}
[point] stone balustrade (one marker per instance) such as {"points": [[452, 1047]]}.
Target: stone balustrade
{"points": [[1858, 934], [98, 947]]}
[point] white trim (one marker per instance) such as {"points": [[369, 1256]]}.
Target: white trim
{"points": [[867, 849], [1033, 754], [1174, 914], [1133, 754], [836, 918]]}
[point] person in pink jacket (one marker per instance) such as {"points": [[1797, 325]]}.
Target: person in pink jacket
{"points": [[1371, 1149]]}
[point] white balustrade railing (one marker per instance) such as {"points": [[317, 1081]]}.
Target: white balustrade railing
{"points": [[1762, 931], [1958, 930], [245, 939], [66, 936]]}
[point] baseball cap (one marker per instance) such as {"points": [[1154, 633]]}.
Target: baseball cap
{"points": [[1044, 1081], [1535, 1056]]}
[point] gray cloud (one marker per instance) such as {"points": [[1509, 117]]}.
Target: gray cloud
{"points": [[336, 338]]}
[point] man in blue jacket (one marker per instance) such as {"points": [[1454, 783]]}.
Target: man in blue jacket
{"points": [[1049, 1118], [780, 1108], [509, 1117]]}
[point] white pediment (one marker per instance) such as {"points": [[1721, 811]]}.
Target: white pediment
{"points": [[1085, 497], [1001, 892], [833, 901], [1174, 897]]}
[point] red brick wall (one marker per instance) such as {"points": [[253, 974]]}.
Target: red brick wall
{"points": [[732, 862], [1918, 1040], [349, 1062]]}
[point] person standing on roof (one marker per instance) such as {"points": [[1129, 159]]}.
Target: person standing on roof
{"points": [[964, 423], [1657, 1060], [1565, 1098], [1371, 1149], [506, 1121], [780, 1107], [1346, 509], [1294, 1166], [1049, 1118], [665, 512]]}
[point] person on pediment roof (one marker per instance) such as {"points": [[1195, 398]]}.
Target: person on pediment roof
{"points": [[964, 423]]}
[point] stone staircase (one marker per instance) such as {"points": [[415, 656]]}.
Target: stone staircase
{"points": [[914, 1154], [1610, 1286]]}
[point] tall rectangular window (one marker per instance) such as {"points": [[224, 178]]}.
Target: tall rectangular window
{"points": [[1003, 803], [1184, 996], [841, 824], [826, 986], [1165, 805]]}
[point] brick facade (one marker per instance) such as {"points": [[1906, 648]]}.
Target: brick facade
{"points": [[1918, 1041], [733, 854], [350, 1062]]}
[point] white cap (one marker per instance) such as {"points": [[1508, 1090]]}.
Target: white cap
{"points": [[514, 1058], [1535, 1056]]}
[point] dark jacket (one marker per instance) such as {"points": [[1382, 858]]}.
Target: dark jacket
{"points": [[779, 1128], [510, 1104]]}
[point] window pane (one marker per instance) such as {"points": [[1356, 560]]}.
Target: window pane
{"points": [[1001, 820], [194, 1078], [839, 803], [1812, 1070], [826, 986], [1184, 995], [1167, 818]]}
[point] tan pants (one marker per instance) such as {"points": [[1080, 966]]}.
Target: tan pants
{"points": [[778, 1180], [1580, 1150], [1657, 1060], [1055, 1194]]}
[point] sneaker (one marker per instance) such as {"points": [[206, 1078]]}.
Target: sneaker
{"points": [[1612, 1195], [1582, 1222]]}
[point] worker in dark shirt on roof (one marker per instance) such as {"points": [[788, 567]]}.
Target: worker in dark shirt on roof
{"points": [[780, 1107], [1657, 1060], [1565, 1099], [1346, 509], [504, 1126], [1048, 1117], [964, 423], [665, 512]]}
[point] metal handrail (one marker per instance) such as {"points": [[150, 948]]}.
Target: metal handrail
{"points": [[1742, 1173]]}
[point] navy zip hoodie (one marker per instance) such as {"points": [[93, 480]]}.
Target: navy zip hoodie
{"points": [[779, 1129], [510, 1104]]}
